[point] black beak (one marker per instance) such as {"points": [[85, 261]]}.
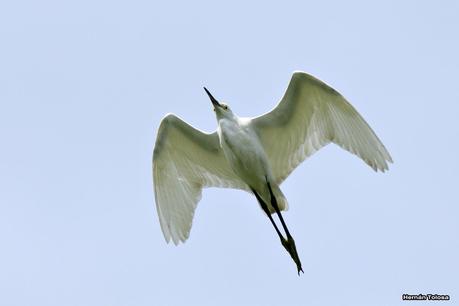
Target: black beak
{"points": [[214, 101]]}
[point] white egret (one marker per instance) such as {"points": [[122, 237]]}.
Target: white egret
{"points": [[255, 154]]}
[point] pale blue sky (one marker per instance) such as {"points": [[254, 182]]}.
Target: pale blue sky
{"points": [[84, 85]]}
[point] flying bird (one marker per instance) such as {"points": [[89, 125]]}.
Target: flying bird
{"points": [[255, 154]]}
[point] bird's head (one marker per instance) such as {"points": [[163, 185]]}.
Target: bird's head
{"points": [[222, 110]]}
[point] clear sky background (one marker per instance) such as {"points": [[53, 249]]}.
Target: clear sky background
{"points": [[84, 85]]}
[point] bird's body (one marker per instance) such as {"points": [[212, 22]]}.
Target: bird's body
{"points": [[255, 154], [247, 157]]}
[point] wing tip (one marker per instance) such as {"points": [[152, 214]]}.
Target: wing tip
{"points": [[384, 166], [176, 239]]}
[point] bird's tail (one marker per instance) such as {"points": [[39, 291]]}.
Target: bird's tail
{"points": [[281, 200]]}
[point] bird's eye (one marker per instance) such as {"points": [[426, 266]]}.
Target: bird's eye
{"points": [[225, 107]]}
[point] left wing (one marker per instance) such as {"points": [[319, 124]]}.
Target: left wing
{"points": [[185, 160]]}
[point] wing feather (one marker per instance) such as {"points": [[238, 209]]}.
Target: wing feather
{"points": [[185, 160], [310, 115]]}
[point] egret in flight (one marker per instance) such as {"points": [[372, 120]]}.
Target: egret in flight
{"points": [[255, 154]]}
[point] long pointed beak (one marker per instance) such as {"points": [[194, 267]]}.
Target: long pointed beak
{"points": [[214, 101]]}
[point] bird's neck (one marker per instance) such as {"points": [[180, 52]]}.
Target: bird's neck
{"points": [[228, 122], [230, 117]]}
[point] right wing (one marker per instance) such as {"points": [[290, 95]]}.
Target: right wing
{"points": [[184, 161], [310, 115]]}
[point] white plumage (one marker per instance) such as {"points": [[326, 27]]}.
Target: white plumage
{"points": [[245, 153]]}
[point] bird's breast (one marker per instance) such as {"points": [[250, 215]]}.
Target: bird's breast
{"points": [[244, 152]]}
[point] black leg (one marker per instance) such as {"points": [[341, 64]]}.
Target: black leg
{"points": [[266, 210], [290, 243], [276, 208]]}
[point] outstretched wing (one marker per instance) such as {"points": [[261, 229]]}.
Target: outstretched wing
{"points": [[184, 161], [310, 115]]}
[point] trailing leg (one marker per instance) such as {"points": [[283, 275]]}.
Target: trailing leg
{"points": [[290, 243], [266, 210]]}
